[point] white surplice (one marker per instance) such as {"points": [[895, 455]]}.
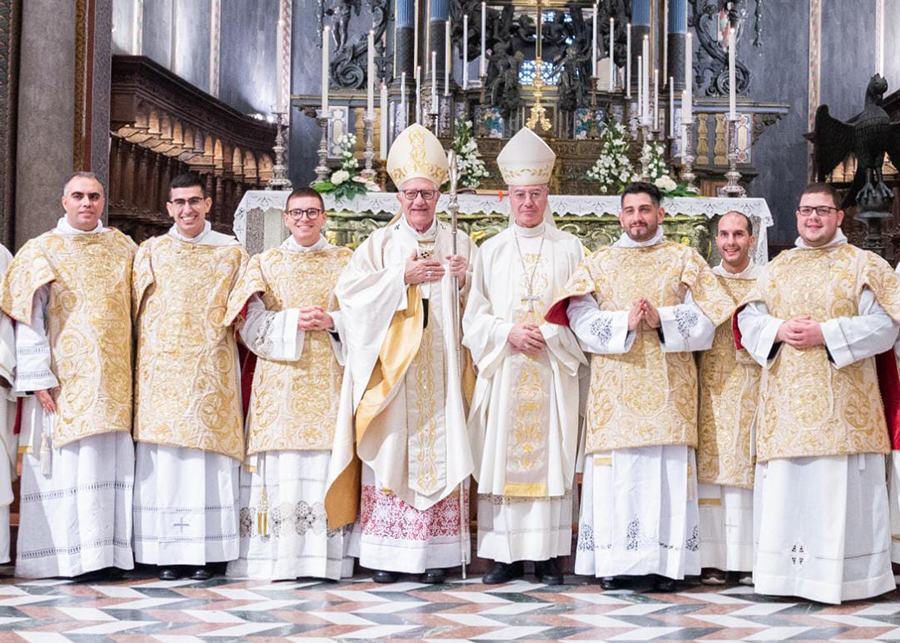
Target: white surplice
{"points": [[416, 446], [726, 511], [822, 524], [894, 483], [639, 511], [185, 500], [294, 480], [515, 527], [78, 519], [10, 441]]}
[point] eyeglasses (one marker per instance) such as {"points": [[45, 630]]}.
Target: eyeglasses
{"points": [[194, 201], [298, 213], [520, 195], [821, 210], [410, 195]]}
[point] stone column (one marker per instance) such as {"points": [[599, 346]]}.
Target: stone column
{"points": [[677, 28], [437, 26], [640, 27], [46, 118]]}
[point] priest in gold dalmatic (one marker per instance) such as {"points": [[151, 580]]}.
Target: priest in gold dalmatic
{"points": [[815, 321], [187, 422], [729, 392], [409, 428], [524, 416], [641, 306], [70, 292], [293, 327]]}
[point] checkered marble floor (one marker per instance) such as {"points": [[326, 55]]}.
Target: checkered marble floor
{"points": [[139, 608]]}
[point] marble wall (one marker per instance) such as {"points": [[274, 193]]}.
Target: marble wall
{"points": [[247, 78]]}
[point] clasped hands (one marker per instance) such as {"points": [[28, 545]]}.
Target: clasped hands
{"points": [[526, 338], [314, 318], [801, 332], [643, 314], [426, 271]]}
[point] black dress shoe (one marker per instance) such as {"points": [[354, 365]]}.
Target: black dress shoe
{"points": [[503, 573], [201, 573], [381, 576], [168, 573], [608, 583], [664, 584], [548, 572], [433, 576]]}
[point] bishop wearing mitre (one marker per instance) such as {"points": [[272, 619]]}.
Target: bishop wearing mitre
{"points": [[70, 292], [524, 416], [404, 419], [641, 306], [188, 427], [293, 327]]}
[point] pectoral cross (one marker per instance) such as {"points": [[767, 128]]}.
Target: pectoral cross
{"points": [[181, 525]]}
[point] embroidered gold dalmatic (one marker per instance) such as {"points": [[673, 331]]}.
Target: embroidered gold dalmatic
{"points": [[729, 396], [645, 397], [89, 319], [808, 407], [294, 405], [187, 388]]}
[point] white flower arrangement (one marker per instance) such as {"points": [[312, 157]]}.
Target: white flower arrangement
{"points": [[347, 182], [613, 170], [471, 167]]}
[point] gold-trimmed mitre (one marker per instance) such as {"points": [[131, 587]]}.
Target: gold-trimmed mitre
{"points": [[417, 154], [526, 159]]}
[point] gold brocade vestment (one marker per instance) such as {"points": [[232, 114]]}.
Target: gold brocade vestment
{"points": [[89, 324], [646, 397], [294, 404], [729, 395], [187, 389], [808, 407]]}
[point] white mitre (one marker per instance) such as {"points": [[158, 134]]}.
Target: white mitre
{"points": [[417, 154], [527, 160]]}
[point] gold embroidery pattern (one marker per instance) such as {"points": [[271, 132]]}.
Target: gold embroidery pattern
{"points": [[645, 397], [89, 319], [424, 436], [187, 388], [294, 404], [808, 407], [729, 394]]}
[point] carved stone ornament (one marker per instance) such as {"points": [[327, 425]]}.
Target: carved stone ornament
{"points": [[712, 20]]}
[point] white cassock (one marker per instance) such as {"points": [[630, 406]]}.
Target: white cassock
{"points": [[291, 478], [524, 417], [639, 514], [894, 483], [170, 482], [7, 418], [78, 519], [416, 446], [838, 505]]}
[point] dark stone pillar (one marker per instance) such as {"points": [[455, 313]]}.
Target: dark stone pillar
{"points": [[640, 27], [437, 26], [677, 28]]}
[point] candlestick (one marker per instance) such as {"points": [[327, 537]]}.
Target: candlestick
{"points": [[369, 150], [322, 118], [483, 66], [732, 84], [370, 80], [434, 91], [733, 187], [447, 57], [465, 52], [392, 119], [419, 94], [326, 37], [279, 180], [671, 108], [612, 64], [628, 61], [382, 147], [687, 157], [594, 44]]}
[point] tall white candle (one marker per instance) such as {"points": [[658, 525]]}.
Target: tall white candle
{"points": [[665, 28], [279, 70], [434, 91], [732, 84], [671, 107], [326, 42], [483, 70], [390, 132], [645, 50], [640, 84], [370, 80], [447, 58], [656, 100], [594, 44], [416, 32], [384, 122], [683, 122], [612, 63], [419, 94], [465, 52], [628, 61], [687, 107]]}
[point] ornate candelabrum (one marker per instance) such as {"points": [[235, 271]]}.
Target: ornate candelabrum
{"points": [[733, 188], [538, 114], [645, 150], [369, 154], [279, 180], [322, 118], [687, 158]]}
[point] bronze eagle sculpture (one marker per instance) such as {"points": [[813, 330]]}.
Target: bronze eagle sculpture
{"points": [[869, 135]]}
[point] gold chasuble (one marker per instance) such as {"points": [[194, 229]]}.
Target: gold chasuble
{"points": [[808, 407], [645, 397], [294, 405], [187, 388], [729, 395], [89, 318]]}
